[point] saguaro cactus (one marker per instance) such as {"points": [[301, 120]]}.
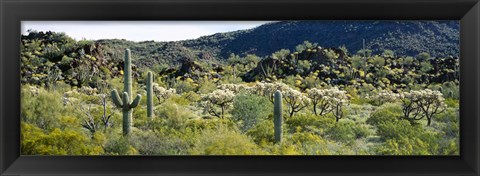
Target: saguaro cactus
{"points": [[125, 101], [278, 116], [149, 95]]}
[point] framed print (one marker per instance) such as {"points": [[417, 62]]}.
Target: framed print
{"points": [[239, 87]]}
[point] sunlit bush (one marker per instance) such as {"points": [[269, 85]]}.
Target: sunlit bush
{"points": [[224, 142]]}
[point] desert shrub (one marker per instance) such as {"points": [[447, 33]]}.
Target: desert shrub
{"points": [[403, 146], [398, 129], [119, 146], [191, 97], [151, 143], [451, 115], [262, 132], [249, 109], [224, 142], [206, 86], [388, 112], [43, 108], [175, 115], [35, 141], [302, 122], [454, 103], [184, 86], [285, 148], [309, 143], [348, 131]]}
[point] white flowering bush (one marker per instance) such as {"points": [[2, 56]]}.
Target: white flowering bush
{"points": [[338, 99], [419, 104], [385, 96], [34, 90], [268, 89], [296, 101], [235, 88], [161, 93], [328, 101], [319, 101], [218, 102]]}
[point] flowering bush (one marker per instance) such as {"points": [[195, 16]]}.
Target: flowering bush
{"points": [[235, 88], [219, 97], [328, 100], [268, 89], [162, 94], [418, 104], [319, 101], [296, 101], [385, 96], [338, 99]]}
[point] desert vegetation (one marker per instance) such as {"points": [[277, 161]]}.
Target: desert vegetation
{"points": [[88, 98]]}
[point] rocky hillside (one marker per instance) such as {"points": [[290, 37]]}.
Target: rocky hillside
{"points": [[406, 38]]}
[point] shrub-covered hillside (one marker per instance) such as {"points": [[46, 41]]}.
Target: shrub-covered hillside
{"points": [[176, 98]]}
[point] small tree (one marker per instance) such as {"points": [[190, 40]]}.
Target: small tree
{"points": [[319, 101], [385, 96], [296, 101], [411, 111], [268, 89], [221, 98], [338, 99], [422, 103], [430, 103]]}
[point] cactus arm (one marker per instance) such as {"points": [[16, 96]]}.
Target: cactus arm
{"points": [[116, 98], [136, 101], [126, 101]]}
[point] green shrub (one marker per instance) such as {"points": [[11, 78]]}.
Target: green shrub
{"points": [[150, 143], [348, 131], [388, 112], [120, 146], [224, 142], [249, 109], [309, 143], [34, 141], [42, 109], [398, 129], [262, 133], [308, 121]]}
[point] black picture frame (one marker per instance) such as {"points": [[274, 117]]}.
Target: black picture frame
{"points": [[14, 11]]}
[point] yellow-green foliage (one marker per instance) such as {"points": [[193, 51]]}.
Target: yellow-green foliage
{"points": [[35, 141], [224, 142], [262, 132]]}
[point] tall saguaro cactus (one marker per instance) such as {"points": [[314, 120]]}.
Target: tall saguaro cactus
{"points": [[149, 95], [125, 101], [278, 116]]}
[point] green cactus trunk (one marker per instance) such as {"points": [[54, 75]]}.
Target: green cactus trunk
{"points": [[125, 101], [278, 116], [149, 95]]}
